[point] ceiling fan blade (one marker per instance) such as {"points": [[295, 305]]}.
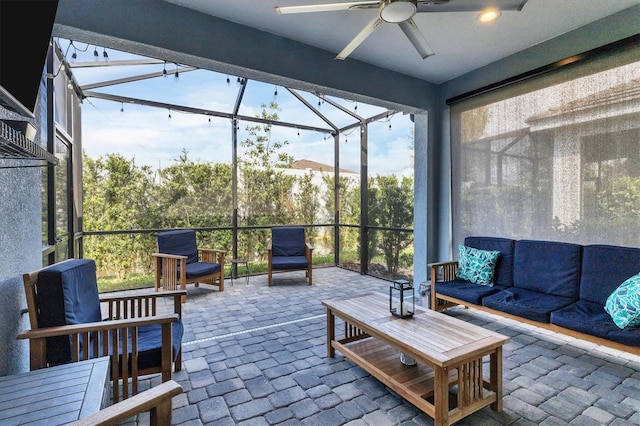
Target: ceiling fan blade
{"points": [[416, 38], [362, 35], [326, 7], [468, 5]]}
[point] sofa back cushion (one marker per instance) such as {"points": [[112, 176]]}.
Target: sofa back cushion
{"points": [[604, 268], [548, 267], [503, 274]]}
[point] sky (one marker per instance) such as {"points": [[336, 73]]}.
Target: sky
{"points": [[157, 136]]}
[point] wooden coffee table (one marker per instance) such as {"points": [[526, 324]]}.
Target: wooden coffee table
{"points": [[449, 353]]}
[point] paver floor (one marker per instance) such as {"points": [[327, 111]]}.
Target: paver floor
{"points": [[256, 355]]}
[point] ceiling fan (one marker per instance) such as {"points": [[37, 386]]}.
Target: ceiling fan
{"points": [[401, 12]]}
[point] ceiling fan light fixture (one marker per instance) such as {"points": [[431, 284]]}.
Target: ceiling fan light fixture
{"points": [[488, 15], [396, 11]]}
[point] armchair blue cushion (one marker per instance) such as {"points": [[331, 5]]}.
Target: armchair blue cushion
{"points": [[67, 325], [67, 293], [181, 242], [201, 265], [289, 251]]}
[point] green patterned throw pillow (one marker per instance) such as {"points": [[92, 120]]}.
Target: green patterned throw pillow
{"points": [[624, 303], [475, 265]]}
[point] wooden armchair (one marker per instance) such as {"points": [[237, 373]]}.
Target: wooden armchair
{"points": [[66, 314], [156, 400], [289, 251], [179, 261]]}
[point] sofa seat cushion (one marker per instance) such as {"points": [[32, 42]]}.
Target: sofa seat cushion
{"points": [[283, 263], [591, 318], [465, 290], [526, 303], [200, 269]]}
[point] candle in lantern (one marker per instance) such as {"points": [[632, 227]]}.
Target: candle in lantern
{"points": [[402, 309]]}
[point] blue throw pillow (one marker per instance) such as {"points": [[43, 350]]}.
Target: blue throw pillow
{"points": [[475, 265], [624, 303]]}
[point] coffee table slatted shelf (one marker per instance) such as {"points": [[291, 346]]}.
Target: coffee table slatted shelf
{"points": [[414, 383], [448, 383]]}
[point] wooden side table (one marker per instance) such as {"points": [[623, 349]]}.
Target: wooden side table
{"points": [[235, 263], [55, 395]]}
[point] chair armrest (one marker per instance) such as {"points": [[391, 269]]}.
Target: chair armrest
{"points": [[446, 271], [90, 327], [212, 255], [107, 332], [446, 262], [148, 400], [169, 256]]}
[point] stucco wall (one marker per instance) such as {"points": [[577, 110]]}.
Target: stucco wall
{"points": [[20, 252]]}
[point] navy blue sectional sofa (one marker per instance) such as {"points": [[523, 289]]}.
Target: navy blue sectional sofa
{"points": [[559, 286]]}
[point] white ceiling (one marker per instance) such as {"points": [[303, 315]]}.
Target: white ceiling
{"points": [[460, 43]]}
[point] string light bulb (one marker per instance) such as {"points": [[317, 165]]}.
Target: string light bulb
{"points": [[96, 56], [121, 107], [164, 70], [355, 108], [169, 114], [275, 94], [74, 55], [228, 81], [176, 75], [105, 55]]}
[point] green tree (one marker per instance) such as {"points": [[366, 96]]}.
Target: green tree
{"points": [[349, 208], [265, 193], [117, 196], [196, 195], [307, 203], [392, 206]]}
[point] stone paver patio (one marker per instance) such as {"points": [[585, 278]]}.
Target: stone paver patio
{"points": [[256, 355]]}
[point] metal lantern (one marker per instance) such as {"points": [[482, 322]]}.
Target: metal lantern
{"points": [[401, 299]]}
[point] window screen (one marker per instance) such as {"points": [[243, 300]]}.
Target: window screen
{"points": [[554, 157]]}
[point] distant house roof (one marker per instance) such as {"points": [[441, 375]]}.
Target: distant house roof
{"points": [[627, 92], [315, 166]]}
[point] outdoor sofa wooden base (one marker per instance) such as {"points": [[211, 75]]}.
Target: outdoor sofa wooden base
{"points": [[558, 286], [449, 355], [443, 302]]}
